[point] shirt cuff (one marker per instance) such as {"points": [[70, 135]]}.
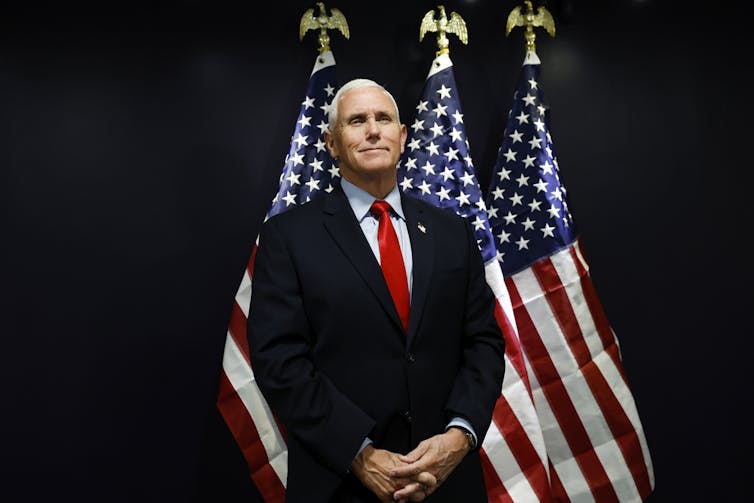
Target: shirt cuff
{"points": [[462, 423]]}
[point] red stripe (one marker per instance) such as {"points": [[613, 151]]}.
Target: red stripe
{"points": [[560, 403], [522, 449], [598, 314], [559, 494], [250, 265], [496, 492], [237, 329], [512, 345], [617, 420], [242, 427]]}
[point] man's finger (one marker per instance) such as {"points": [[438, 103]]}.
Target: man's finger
{"points": [[415, 491], [416, 454]]}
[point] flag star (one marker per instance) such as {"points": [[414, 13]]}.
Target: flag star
{"points": [[297, 159], [444, 92], [516, 135], [425, 187], [510, 218], [417, 125], [433, 148], [535, 205], [293, 178], [547, 231], [436, 129], [523, 243], [289, 198], [455, 134], [429, 168], [451, 154], [499, 256], [522, 117], [305, 120], [316, 165], [458, 116], [492, 213], [498, 193], [556, 194], [308, 103], [301, 140], [326, 108], [480, 204], [546, 168], [504, 174], [542, 109], [410, 163], [469, 162], [540, 125], [439, 110], [528, 224], [529, 99], [529, 161], [313, 184], [522, 180], [504, 237], [422, 106], [541, 186], [468, 179], [413, 144], [532, 83], [478, 224], [535, 142], [322, 126], [447, 174], [510, 155], [330, 90], [463, 199], [406, 183], [516, 199], [320, 145], [443, 193], [553, 211], [334, 171], [329, 188]]}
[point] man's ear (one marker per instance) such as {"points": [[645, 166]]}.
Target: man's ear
{"points": [[404, 137], [330, 144]]}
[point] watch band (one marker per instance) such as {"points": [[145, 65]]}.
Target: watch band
{"points": [[469, 436]]}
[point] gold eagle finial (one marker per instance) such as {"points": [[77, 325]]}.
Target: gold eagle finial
{"points": [[443, 25], [528, 19], [335, 21]]}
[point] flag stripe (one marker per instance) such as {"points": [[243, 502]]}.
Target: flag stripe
{"points": [[496, 491], [557, 396]]}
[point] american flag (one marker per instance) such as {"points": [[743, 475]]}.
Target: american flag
{"points": [[436, 167], [308, 169], [594, 438]]}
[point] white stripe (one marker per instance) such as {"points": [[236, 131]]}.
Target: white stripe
{"points": [[243, 295], [496, 281], [567, 367], [242, 379], [506, 467]]}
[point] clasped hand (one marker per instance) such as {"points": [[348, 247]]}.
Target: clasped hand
{"points": [[413, 476]]}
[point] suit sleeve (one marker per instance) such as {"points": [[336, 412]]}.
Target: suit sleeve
{"points": [[321, 418], [478, 383]]}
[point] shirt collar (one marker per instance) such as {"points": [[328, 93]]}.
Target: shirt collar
{"points": [[361, 200]]}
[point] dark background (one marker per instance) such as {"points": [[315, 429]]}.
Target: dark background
{"points": [[141, 144]]}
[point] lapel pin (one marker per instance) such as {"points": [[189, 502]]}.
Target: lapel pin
{"points": [[422, 228]]}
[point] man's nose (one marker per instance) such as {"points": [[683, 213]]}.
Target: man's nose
{"points": [[373, 127]]}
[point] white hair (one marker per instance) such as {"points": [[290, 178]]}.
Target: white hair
{"points": [[332, 116]]}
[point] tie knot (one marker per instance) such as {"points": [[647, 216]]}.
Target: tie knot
{"points": [[380, 207]]}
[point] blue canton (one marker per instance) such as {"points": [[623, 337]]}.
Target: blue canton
{"points": [[436, 165], [308, 166], [527, 202]]}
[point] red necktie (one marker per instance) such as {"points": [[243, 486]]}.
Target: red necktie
{"points": [[391, 261]]}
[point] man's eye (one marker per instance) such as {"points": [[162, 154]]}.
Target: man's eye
{"points": [[386, 119]]}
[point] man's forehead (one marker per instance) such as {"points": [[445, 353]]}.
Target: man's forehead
{"points": [[364, 99]]}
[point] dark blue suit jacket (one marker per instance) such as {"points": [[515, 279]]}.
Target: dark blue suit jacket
{"points": [[334, 362]]}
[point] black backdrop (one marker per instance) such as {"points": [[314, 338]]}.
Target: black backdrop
{"points": [[141, 143]]}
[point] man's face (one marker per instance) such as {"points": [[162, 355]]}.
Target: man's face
{"points": [[367, 139]]}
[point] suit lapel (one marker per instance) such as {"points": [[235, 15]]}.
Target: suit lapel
{"points": [[342, 225], [419, 226]]}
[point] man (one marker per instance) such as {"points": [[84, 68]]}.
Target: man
{"points": [[372, 329]]}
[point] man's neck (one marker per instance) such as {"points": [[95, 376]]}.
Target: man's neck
{"points": [[378, 187]]}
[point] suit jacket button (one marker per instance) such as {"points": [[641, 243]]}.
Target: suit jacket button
{"points": [[408, 417], [411, 358]]}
